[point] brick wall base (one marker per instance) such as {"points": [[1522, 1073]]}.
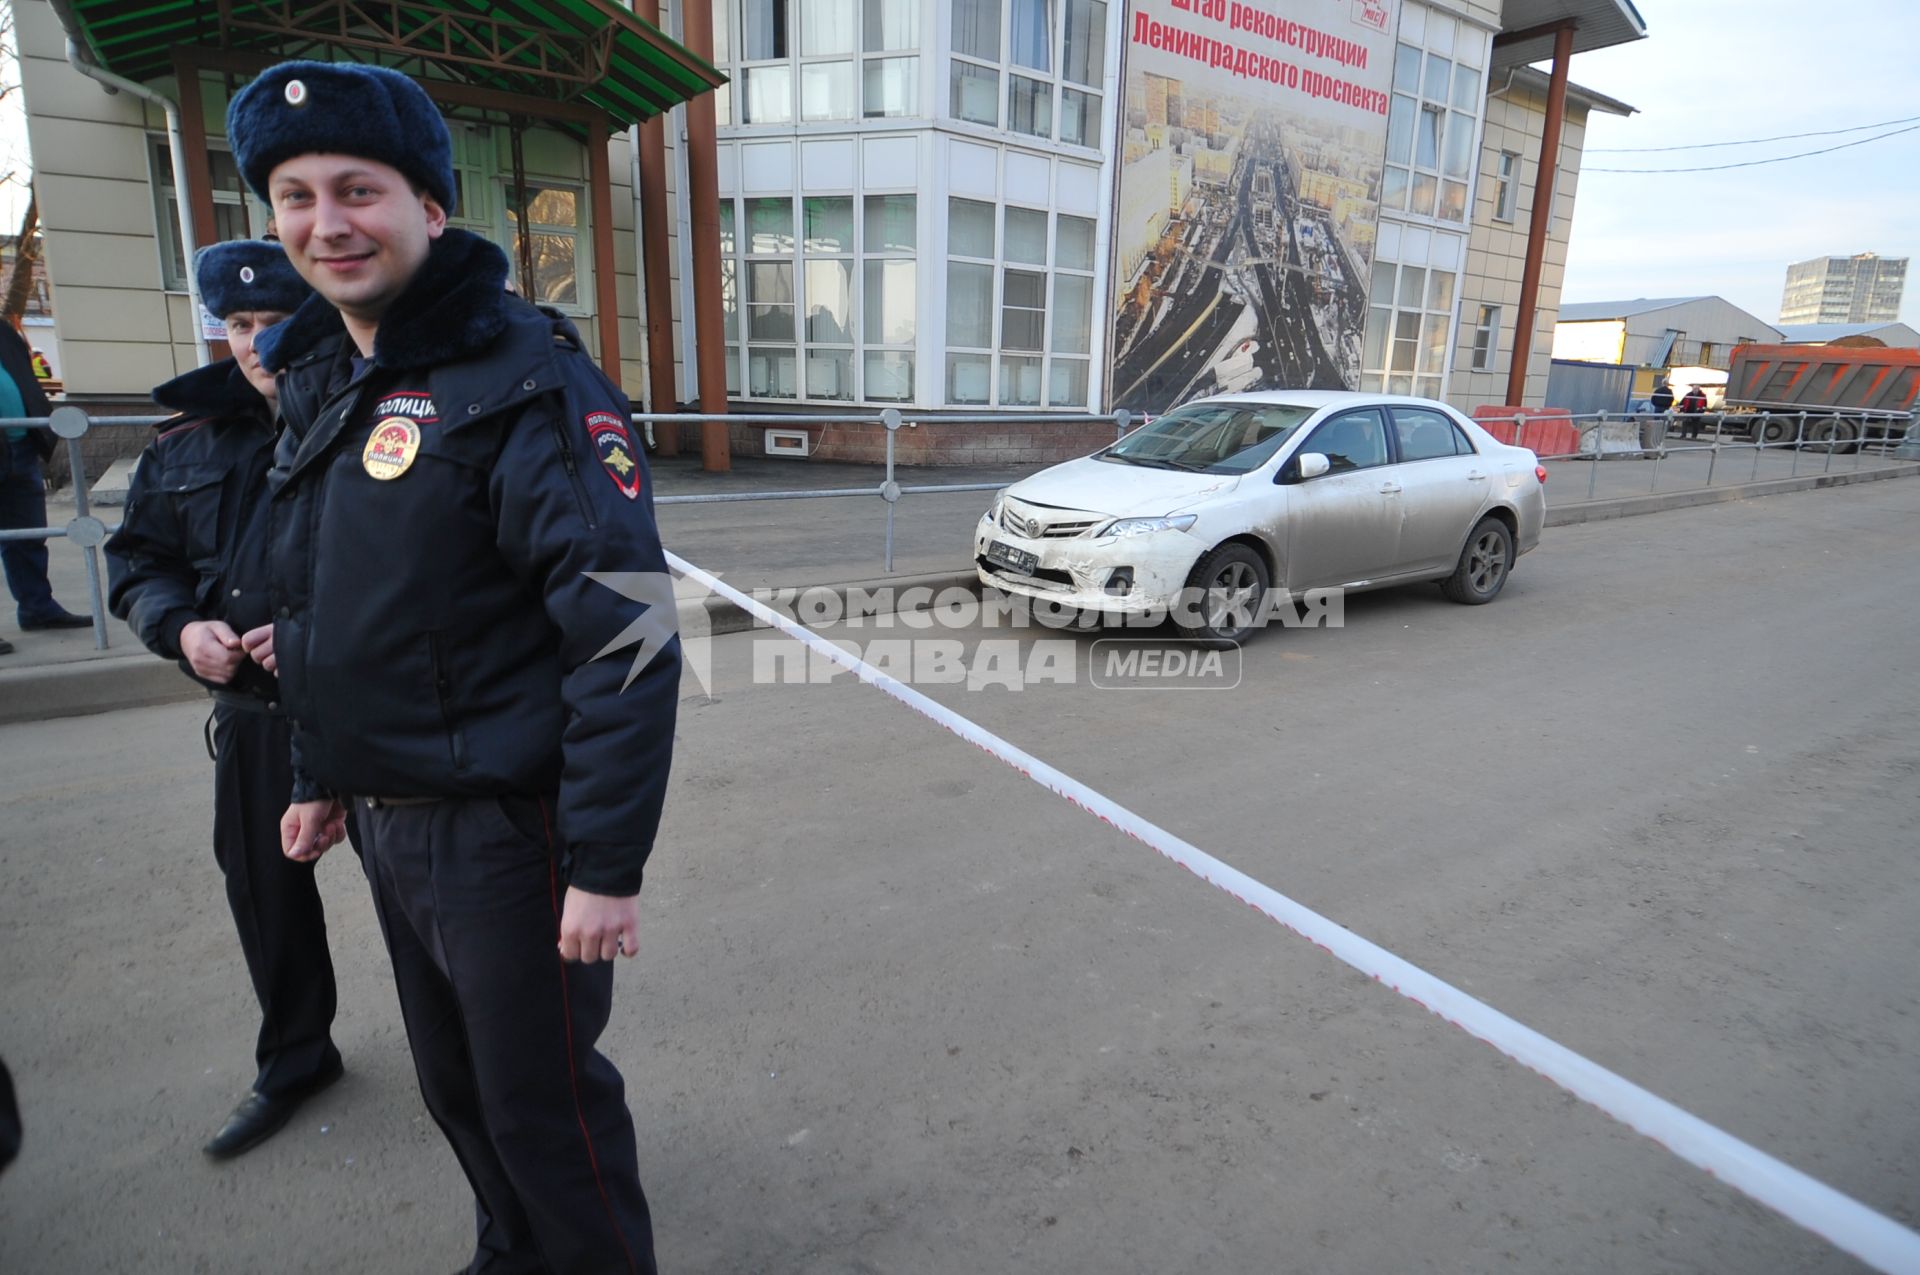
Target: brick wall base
{"points": [[936, 442]]}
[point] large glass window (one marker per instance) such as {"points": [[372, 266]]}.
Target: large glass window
{"points": [[891, 25], [976, 93], [1030, 28], [1433, 120], [236, 213], [976, 29], [1020, 320], [1406, 339], [1052, 55], [1486, 338], [544, 222], [829, 289], [817, 61], [1506, 188], [826, 26]]}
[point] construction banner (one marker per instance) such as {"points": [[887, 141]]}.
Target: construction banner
{"points": [[1251, 151]]}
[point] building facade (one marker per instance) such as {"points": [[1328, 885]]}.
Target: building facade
{"points": [[1863, 288], [1657, 332], [954, 205], [545, 177], [981, 204]]}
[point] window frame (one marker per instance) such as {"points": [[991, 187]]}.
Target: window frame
{"points": [[1506, 190], [166, 210], [578, 232], [855, 255], [1379, 413], [1412, 97], [1053, 362], [1462, 445], [1486, 325], [1054, 81], [799, 61]]}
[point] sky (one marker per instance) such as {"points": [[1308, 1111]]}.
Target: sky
{"points": [[1730, 70], [1709, 71]]}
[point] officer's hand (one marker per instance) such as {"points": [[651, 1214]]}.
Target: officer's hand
{"points": [[212, 649], [259, 644], [310, 828], [598, 927]]}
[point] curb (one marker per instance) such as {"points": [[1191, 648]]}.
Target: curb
{"points": [[92, 686], [1659, 502]]}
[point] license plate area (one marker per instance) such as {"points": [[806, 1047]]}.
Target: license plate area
{"points": [[1017, 559]]}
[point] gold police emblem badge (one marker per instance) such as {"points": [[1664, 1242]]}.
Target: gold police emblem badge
{"points": [[390, 450]]}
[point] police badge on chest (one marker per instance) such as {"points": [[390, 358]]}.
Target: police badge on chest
{"points": [[395, 440]]}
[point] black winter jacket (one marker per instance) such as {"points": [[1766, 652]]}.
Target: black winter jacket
{"points": [[439, 629], [193, 543]]}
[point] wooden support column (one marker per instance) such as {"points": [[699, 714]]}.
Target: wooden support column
{"points": [[198, 197], [606, 298], [1544, 184], [656, 263], [703, 190]]}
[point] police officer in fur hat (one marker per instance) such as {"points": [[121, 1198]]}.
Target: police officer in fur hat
{"points": [[474, 636], [189, 573]]}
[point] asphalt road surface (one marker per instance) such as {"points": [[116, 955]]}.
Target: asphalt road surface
{"points": [[899, 1010]]}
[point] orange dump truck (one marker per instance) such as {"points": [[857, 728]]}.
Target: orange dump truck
{"points": [[1847, 393]]}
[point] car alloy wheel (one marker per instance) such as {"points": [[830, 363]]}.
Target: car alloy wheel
{"points": [[1233, 580], [1483, 567]]}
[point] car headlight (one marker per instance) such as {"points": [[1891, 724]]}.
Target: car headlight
{"points": [[992, 515], [1144, 526]]}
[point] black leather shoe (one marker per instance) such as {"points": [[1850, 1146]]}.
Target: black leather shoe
{"points": [[58, 620], [259, 1116], [6, 647]]}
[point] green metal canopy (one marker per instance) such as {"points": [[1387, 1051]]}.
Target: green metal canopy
{"points": [[592, 52]]}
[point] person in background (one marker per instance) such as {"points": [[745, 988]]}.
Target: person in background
{"points": [[1692, 409], [189, 573], [23, 492], [1662, 399]]}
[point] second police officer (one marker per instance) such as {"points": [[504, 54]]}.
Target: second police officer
{"points": [[188, 569]]}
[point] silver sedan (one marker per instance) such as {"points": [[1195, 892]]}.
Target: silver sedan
{"points": [[1201, 514]]}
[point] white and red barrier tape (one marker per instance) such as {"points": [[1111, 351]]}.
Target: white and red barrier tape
{"points": [[1840, 1219]]}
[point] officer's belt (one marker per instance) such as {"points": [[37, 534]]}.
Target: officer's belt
{"points": [[377, 803], [246, 703]]}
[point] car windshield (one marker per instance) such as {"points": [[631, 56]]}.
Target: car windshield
{"points": [[1213, 438]]}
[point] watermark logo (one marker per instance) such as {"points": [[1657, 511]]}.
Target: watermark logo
{"points": [[658, 623], [941, 645], [1137, 664]]}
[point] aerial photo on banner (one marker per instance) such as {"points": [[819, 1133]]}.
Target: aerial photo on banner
{"points": [[1251, 153]]}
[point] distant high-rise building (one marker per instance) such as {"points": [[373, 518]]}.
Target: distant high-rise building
{"points": [[1859, 289]]}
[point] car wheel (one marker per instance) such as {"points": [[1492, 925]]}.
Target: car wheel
{"points": [[1483, 567], [1233, 581]]}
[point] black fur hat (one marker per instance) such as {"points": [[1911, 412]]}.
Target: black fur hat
{"points": [[340, 108], [248, 274]]}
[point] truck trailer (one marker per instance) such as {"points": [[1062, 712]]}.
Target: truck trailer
{"points": [[1835, 396]]}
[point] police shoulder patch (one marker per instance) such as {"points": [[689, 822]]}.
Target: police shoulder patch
{"points": [[613, 444]]}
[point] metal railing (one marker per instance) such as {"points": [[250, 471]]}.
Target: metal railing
{"points": [[1859, 433], [89, 533], [1639, 437], [83, 529], [893, 421]]}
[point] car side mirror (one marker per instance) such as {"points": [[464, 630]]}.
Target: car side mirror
{"points": [[1303, 466]]}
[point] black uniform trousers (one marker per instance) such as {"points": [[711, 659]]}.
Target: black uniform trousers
{"points": [[275, 901], [469, 894]]}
